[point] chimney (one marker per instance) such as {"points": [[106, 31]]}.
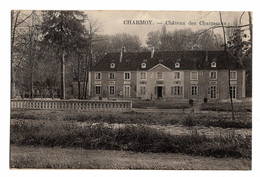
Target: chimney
{"points": [[206, 57], [152, 52], [121, 54]]}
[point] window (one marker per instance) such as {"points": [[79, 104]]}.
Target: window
{"points": [[112, 65], [143, 75], [177, 65], [232, 91], [111, 90], [213, 75], [233, 75], [126, 91], [127, 76], [111, 75], [159, 75], [194, 75], [98, 89], [176, 90], [143, 65], [213, 64], [143, 90], [98, 76], [177, 75], [213, 92], [194, 90]]}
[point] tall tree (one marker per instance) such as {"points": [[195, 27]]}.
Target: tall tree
{"points": [[153, 39], [239, 45], [18, 18], [225, 49], [62, 30], [114, 43], [183, 39]]}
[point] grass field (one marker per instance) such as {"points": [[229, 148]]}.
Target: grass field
{"points": [[213, 138], [78, 158], [242, 120]]}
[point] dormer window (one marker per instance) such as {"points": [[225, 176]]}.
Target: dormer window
{"points": [[98, 76], [143, 65], [213, 64], [177, 65], [112, 65]]}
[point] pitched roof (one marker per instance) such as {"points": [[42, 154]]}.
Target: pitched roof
{"points": [[189, 60]]}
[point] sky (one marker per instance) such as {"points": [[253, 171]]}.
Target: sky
{"points": [[112, 22]]}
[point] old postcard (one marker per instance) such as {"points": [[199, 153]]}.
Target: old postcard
{"points": [[163, 90]]}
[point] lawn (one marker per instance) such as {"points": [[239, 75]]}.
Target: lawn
{"points": [[215, 137], [78, 158], [131, 137], [223, 120]]}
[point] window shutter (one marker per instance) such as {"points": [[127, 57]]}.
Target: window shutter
{"points": [[155, 90], [237, 94], [163, 90]]}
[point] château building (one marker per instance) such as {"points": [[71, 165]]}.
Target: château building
{"points": [[169, 75]]}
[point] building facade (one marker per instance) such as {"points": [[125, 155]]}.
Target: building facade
{"points": [[174, 76]]}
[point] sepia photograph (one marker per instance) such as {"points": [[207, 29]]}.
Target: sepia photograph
{"points": [[131, 89]]}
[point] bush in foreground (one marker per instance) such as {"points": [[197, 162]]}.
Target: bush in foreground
{"points": [[209, 121], [132, 138], [238, 107], [223, 121]]}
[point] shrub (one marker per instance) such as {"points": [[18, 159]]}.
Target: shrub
{"points": [[228, 123], [189, 121], [23, 116], [191, 102], [238, 107], [160, 105], [242, 120], [134, 138]]}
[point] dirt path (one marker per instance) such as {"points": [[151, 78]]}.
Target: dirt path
{"points": [[42, 157]]}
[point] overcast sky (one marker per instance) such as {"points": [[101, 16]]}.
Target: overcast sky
{"points": [[112, 22]]}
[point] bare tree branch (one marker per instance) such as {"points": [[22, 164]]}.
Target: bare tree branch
{"points": [[214, 27], [25, 19], [240, 19]]}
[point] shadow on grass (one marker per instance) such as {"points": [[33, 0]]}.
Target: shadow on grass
{"points": [[131, 138]]}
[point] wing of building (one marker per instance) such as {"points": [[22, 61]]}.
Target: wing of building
{"points": [[173, 75]]}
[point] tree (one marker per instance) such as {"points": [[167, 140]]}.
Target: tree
{"points": [[33, 47], [153, 39], [114, 43], [131, 42], [17, 20], [183, 39], [237, 47], [225, 49], [62, 30], [93, 28]]}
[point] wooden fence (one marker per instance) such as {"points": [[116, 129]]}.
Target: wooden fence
{"points": [[81, 105]]}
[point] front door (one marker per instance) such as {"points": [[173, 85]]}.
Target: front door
{"points": [[159, 92]]}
